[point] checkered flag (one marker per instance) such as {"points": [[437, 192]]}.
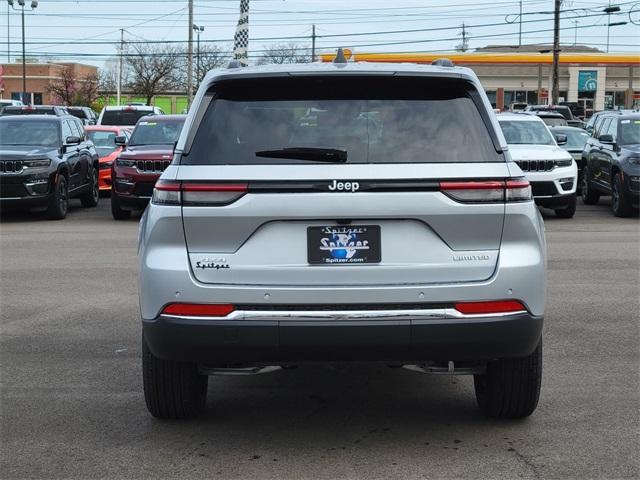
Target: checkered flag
{"points": [[241, 38]]}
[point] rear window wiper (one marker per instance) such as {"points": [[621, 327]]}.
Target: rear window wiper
{"points": [[330, 155]]}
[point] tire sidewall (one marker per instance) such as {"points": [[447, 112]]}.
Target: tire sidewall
{"points": [[61, 197]]}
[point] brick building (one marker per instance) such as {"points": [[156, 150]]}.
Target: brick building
{"points": [[39, 76]]}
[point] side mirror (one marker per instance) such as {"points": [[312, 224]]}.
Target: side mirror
{"points": [[72, 140], [606, 138], [121, 140], [561, 139]]}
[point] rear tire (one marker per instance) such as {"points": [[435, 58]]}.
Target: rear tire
{"points": [[59, 201], [511, 386], [570, 210], [92, 197], [589, 195], [116, 208], [620, 201], [172, 389]]}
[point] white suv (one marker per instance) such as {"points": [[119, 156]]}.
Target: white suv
{"points": [[551, 170]]}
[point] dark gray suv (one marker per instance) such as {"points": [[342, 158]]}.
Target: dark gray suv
{"points": [[44, 161]]}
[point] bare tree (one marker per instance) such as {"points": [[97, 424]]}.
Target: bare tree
{"points": [[71, 90], [211, 57], [87, 92], [64, 87], [285, 53], [154, 69]]}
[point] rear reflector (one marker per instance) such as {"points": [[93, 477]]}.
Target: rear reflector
{"points": [[488, 191], [199, 309], [500, 306]]}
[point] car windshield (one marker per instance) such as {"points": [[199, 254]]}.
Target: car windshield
{"points": [[629, 132], [157, 132], [104, 141], [576, 140], [526, 133], [123, 117], [354, 120], [31, 133]]}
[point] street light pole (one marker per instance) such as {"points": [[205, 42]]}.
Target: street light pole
{"points": [[198, 30], [34, 5]]}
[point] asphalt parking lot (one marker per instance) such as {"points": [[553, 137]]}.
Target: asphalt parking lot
{"points": [[71, 390]]}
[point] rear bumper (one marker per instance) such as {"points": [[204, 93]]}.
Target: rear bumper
{"points": [[217, 342]]}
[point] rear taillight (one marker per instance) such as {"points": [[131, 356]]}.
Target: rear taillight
{"points": [[211, 193], [197, 194], [487, 191], [198, 309], [490, 307], [166, 193], [518, 190]]}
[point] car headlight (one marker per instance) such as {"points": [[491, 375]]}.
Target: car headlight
{"points": [[564, 163], [39, 163], [635, 160], [105, 165], [125, 163]]}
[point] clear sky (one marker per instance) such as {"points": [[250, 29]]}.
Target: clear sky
{"points": [[88, 30]]}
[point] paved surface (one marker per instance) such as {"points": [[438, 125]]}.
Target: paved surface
{"points": [[72, 404]]}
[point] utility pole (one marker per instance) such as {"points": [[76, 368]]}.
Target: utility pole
{"points": [[190, 56], [520, 30], [313, 42], [608, 23], [119, 82], [8, 34], [555, 81], [464, 45]]}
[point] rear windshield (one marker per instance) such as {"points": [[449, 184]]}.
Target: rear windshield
{"points": [[104, 141], [526, 133], [28, 111], [31, 133], [157, 132], [123, 117], [368, 119], [78, 112], [554, 121]]}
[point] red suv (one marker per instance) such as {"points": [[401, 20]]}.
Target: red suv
{"points": [[146, 155]]}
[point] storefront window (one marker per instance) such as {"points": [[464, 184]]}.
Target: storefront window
{"points": [[492, 97]]}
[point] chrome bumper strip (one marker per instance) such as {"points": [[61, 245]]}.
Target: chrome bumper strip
{"points": [[344, 315]]}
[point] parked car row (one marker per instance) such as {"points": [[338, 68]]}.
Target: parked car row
{"points": [[605, 162], [48, 156]]}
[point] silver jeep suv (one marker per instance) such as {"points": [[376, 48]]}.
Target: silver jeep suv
{"points": [[342, 212]]}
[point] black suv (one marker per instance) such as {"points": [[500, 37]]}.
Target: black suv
{"points": [[85, 114], [611, 160], [44, 161]]}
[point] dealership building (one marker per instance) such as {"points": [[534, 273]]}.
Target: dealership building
{"points": [[595, 80]]}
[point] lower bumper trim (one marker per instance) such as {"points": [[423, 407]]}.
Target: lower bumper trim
{"points": [[216, 342]]}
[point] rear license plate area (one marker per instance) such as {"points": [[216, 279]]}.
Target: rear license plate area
{"points": [[343, 244]]}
